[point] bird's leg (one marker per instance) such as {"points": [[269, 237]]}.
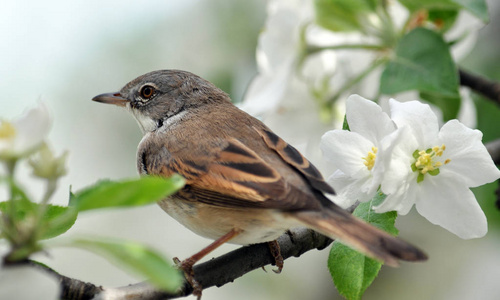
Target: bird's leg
{"points": [[187, 264], [274, 247]]}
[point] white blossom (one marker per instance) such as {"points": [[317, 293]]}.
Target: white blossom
{"points": [[355, 153], [413, 161], [24, 135], [281, 46], [434, 168], [46, 165], [278, 53]]}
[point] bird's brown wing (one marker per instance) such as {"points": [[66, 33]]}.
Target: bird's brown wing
{"points": [[293, 157], [237, 177]]}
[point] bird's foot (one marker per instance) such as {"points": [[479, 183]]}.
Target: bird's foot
{"points": [[274, 247], [187, 267]]}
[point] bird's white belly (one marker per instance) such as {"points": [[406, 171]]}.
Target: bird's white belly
{"points": [[256, 225]]}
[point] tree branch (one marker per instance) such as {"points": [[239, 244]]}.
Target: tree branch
{"points": [[216, 272], [493, 148], [488, 88], [71, 288]]}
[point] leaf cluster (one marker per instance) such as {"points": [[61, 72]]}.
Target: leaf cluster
{"points": [[415, 57], [25, 224]]}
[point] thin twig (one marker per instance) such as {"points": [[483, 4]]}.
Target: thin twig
{"points": [[497, 193], [488, 88], [493, 148]]}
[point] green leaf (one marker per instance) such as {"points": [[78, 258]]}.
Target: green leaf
{"points": [[444, 19], [476, 7], [422, 62], [449, 105], [126, 193], [416, 5], [22, 209], [345, 125], [58, 220], [138, 259], [55, 221], [383, 221], [342, 15], [353, 272]]}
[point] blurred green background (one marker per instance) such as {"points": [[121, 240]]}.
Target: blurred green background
{"points": [[66, 52]]}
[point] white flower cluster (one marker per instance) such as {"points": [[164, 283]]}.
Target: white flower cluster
{"points": [[25, 138], [278, 53], [284, 66], [405, 155]]}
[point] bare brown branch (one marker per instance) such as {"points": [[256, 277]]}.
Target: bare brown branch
{"points": [[493, 148], [488, 88]]}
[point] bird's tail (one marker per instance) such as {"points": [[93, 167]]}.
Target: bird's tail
{"points": [[337, 223]]}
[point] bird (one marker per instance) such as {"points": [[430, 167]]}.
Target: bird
{"points": [[244, 184]]}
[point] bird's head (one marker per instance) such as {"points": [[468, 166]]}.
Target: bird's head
{"points": [[160, 97]]}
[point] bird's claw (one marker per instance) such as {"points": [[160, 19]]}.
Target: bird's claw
{"points": [[274, 247], [187, 267]]}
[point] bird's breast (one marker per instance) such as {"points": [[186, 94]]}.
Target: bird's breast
{"points": [[256, 225]]}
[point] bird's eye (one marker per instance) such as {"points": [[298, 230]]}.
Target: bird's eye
{"points": [[147, 91]]}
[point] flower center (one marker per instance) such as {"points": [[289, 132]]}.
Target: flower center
{"points": [[370, 158], [7, 130], [426, 161]]}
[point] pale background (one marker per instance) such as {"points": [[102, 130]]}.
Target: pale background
{"points": [[66, 52]]}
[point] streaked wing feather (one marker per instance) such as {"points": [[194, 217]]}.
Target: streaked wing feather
{"points": [[293, 157], [237, 178]]}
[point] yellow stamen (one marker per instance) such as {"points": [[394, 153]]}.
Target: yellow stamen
{"points": [[425, 161], [370, 158], [7, 130]]}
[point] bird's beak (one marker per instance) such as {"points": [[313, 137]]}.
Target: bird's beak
{"points": [[111, 98]]}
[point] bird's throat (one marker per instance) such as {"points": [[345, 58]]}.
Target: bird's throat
{"points": [[148, 124]]}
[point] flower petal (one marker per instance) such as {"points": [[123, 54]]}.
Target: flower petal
{"points": [[367, 118], [32, 128], [318, 67], [397, 159], [278, 41], [469, 160], [276, 54], [467, 113], [346, 150], [451, 205], [402, 199], [419, 117], [384, 158], [349, 190], [266, 92]]}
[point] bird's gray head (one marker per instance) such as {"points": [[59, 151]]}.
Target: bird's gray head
{"points": [[159, 97]]}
